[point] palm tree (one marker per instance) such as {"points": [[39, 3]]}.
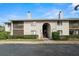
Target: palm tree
{"points": [[76, 7]]}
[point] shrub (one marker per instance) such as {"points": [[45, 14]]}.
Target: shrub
{"points": [[4, 35], [23, 37], [64, 37], [55, 36], [72, 37], [30, 36]]}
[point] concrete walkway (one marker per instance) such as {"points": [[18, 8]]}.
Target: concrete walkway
{"points": [[38, 42]]}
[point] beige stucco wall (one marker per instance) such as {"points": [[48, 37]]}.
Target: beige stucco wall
{"points": [[7, 28], [38, 28], [29, 27], [65, 27], [11, 33]]}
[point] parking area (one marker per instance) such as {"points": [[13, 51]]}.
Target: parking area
{"points": [[39, 50]]}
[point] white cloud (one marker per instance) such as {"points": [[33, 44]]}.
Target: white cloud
{"points": [[73, 12], [74, 4], [70, 12], [13, 16], [51, 13], [2, 20]]}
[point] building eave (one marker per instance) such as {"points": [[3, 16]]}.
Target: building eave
{"points": [[29, 20], [7, 22]]}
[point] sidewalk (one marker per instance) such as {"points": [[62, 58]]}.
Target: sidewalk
{"points": [[39, 42]]}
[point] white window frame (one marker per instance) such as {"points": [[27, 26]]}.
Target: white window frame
{"points": [[33, 32]]}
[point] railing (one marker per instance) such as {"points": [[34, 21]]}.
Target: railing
{"points": [[18, 27], [73, 27]]}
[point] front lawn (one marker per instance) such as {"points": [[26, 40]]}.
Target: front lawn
{"points": [[24, 40]]}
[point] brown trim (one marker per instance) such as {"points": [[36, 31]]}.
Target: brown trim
{"points": [[30, 20], [18, 32], [73, 28]]}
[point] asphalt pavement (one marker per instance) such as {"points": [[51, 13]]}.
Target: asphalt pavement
{"points": [[39, 49]]}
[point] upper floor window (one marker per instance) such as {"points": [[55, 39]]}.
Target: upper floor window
{"points": [[33, 24]]}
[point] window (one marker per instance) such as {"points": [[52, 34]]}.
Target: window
{"points": [[33, 32], [33, 24], [71, 32], [59, 22], [74, 32]]}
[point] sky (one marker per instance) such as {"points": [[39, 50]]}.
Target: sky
{"points": [[10, 11]]}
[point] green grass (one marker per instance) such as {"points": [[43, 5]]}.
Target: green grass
{"points": [[23, 40]]}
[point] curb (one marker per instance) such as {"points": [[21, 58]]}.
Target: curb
{"points": [[39, 42]]}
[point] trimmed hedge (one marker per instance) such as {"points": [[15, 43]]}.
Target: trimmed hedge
{"points": [[23, 37], [73, 37], [55, 35], [70, 37], [6, 35], [64, 37]]}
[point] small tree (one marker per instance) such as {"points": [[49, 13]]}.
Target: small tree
{"points": [[55, 35]]}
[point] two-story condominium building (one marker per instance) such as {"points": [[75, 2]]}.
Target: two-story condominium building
{"points": [[43, 27]]}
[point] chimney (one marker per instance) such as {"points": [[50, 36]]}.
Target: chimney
{"points": [[29, 15], [60, 15]]}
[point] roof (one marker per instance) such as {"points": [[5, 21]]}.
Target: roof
{"points": [[28, 20], [7, 22]]}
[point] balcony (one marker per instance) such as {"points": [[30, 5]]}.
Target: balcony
{"points": [[73, 26], [18, 26]]}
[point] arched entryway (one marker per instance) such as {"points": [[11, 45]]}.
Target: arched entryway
{"points": [[46, 30]]}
